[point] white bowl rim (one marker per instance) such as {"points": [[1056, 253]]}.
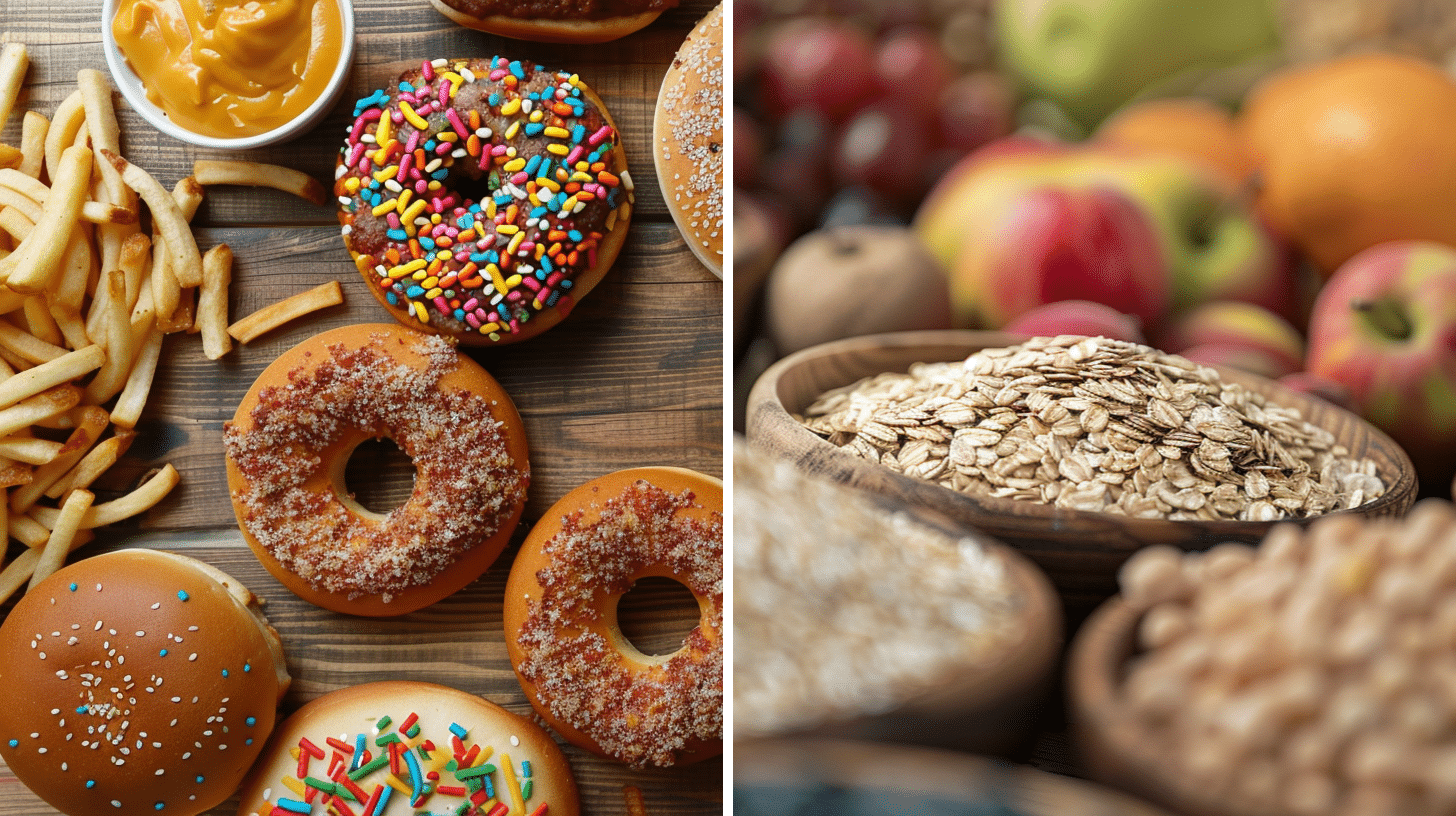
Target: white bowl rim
{"points": [[134, 91]]}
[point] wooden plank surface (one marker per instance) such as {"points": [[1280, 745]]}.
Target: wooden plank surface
{"points": [[633, 377]]}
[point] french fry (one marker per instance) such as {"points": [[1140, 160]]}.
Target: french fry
{"points": [[39, 321], [30, 450], [111, 377], [31, 410], [18, 572], [72, 327], [42, 251], [635, 805], [13, 61], [27, 345], [166, 287], [66, 122], [212, 297], [13, 473], [14, 222], [253, 174], [89, 427], [135, 262], [166, 215], [69, 288], [10, 156], [143, 498], [133, 397], [276, 314], [35, 190], [14, 361], [32, 143], [70, 366], [58, 544], [183, 318], [105, 134], [27, 531], [92, 465]]}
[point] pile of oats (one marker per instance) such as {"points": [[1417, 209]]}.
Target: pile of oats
{"points": [[1100, 425], [842, 610]]}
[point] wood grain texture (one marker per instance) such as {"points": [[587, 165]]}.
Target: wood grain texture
{"points": [[1081, 551], [633, 377]]}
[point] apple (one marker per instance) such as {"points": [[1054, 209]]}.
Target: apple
{"points": [[1212, 244], [909, 60], [1245, 335], [880, 147], [1077, 317], [848, 281], [1384, 326], [1043, 244], [1090, 58], [820, 63]]}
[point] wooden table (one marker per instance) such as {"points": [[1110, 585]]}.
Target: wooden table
{"points": [[633, 377]]}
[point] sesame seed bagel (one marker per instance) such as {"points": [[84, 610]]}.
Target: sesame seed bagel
{"points": [[484, 756], [483, 198], [146, 682], [290, 441], [581, 674], [687, 140]]}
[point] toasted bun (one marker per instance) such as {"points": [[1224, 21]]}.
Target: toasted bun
{"points": [[150, 683], [620, 703], [687, 140], [310, 537], [505, 741], [550, 31]]}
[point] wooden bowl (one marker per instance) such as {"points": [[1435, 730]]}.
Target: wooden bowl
{"points": [[785, 778], [1081, 551], [1115, 747], [988, 704]]}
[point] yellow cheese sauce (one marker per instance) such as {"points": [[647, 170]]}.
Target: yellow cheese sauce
{"points": [[230, 69]]}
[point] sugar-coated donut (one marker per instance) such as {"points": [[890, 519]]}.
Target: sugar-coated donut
{"points": [[555, 21], [373, 747], [289, 443], [582, 676], [144, 682], [483, 198], [687, 140]]}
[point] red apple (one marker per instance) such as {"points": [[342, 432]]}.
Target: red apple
{"points": [[1077, 317], [818, 63], [883, 147], [1234, 327], [975, 109], [1384, 326], [908, 62], [1050, 243]]}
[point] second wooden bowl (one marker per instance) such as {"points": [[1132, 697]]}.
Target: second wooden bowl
{"points": [[1081, 551]]}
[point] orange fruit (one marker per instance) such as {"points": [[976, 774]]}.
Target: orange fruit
{"points": [[1353, 152], [1194, 127]]}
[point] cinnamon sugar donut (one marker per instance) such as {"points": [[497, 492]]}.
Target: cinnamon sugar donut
{"points": [[289, 443], [482, 198], [347, 743], [589, 683]]}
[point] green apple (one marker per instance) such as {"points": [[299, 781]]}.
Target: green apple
{"points": [[1212, 244], [1092, 56]]}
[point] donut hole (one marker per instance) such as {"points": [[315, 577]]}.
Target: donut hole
{"points": [[656, 615], [379, 476], [470, 184]]}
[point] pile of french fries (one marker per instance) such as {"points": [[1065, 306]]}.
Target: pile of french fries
{"points": [[86, 299]]}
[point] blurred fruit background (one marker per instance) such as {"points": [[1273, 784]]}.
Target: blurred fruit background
{"points": [[1263, 184]]}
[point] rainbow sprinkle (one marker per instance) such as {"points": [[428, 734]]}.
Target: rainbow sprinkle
{"points": [[489, 264], [453, 774]]}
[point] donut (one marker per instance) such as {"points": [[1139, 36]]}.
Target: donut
{"points": [[147, 682], [338, 754], [687, 140], [289, 443], [581, 675], [555, 21], [482, 199]]}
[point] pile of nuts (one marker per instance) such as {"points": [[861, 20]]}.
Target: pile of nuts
{"points": [[1314, 675], [1097, 425], [845, 610]]}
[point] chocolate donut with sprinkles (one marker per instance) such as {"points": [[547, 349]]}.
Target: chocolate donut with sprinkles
{"points": [[143, 682], [482, 199], [403, 747], [580, 672]]}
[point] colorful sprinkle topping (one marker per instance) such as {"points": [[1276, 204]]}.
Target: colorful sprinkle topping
{"points": [[446, 773], [476, 201]]}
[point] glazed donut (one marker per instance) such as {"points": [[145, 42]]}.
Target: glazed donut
{"points": [[582, 676], [482, 198], [687, 140], [345, 743], [144, 682], [289, 443], [555, 21]]}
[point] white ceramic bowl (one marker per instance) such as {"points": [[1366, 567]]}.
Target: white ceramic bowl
{"points": [[136, 95]]}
